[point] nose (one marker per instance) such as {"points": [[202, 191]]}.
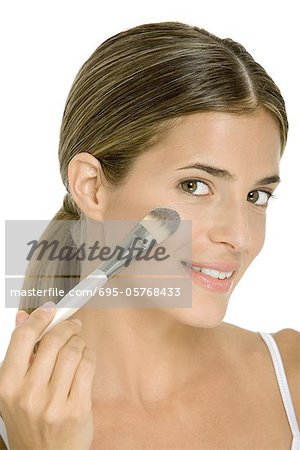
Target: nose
{"points": [[230, 225]]}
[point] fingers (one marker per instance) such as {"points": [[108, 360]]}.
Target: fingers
{"points": [[48, 352], [67, 362], [20, 317], [80, 393], [37, 405], [22, 341]]}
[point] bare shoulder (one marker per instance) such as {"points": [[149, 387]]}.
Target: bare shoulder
{"points": [[288, 342]]}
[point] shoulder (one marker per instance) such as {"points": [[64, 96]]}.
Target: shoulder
{"points": [[288, 342]]}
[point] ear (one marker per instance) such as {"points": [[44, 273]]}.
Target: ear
{"points": [[85, 179]]}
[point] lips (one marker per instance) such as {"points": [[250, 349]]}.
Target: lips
{"points": [[206, 281]]}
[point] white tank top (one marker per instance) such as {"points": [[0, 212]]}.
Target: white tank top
{"points": [[283, 386]]}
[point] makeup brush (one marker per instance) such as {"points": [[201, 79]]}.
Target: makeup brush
{"points": [[154, 228]]}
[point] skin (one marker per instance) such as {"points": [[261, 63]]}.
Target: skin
{"points": [[46, 397], [158, 367], [144, 356]]}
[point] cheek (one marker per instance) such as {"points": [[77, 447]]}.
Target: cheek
{"points": [[257, 227], [137, 199], [123, 205]]}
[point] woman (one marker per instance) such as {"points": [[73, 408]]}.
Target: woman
{"points": [[163, 115]]}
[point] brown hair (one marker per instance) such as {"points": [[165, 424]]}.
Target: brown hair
{"points": [[135, 87]]}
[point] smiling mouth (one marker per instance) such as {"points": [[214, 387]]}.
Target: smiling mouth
{"points": [[212, 283], [211, 270]]}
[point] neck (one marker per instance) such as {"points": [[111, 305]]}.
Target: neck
{"points": [[144, 355]]}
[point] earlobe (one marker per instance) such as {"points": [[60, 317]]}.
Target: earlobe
{"points": [[85, 185]]}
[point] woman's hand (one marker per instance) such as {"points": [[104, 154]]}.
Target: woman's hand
{"points": [[45, 398]]}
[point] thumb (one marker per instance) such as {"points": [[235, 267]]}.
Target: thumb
{"points": [[20, 317]]}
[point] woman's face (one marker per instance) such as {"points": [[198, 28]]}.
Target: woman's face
{"points": [[227, 206]]}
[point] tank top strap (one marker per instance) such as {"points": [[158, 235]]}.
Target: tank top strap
{"points": [[284, 387]]}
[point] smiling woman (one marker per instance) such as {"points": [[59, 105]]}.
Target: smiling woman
{"points": [[163, 115]]}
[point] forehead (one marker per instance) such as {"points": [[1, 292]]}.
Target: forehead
{"points": [[246, 141]]}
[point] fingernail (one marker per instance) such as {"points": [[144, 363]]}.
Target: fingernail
{"points": [[21, 316], [77, 321], [48, 306]]}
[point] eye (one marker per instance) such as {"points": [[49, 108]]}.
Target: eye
{"points": [[190, 187], [263, 199]]}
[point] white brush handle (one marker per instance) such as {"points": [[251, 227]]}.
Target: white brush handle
{"points": [[70, 303]]}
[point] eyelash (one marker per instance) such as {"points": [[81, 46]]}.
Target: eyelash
{"points": [[270, 194]]}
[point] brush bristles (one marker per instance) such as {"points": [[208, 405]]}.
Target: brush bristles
{"points": [[161, 223]]}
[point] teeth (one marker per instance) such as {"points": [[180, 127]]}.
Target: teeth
{"points": [[213, 273]]}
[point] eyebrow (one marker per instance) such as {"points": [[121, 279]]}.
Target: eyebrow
{"points": [[222, 173]]}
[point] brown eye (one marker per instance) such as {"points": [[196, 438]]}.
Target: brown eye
{"points": [[253, 196], [190, 186]]}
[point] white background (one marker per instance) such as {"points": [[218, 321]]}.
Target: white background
{"points": [[43, 46]]}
